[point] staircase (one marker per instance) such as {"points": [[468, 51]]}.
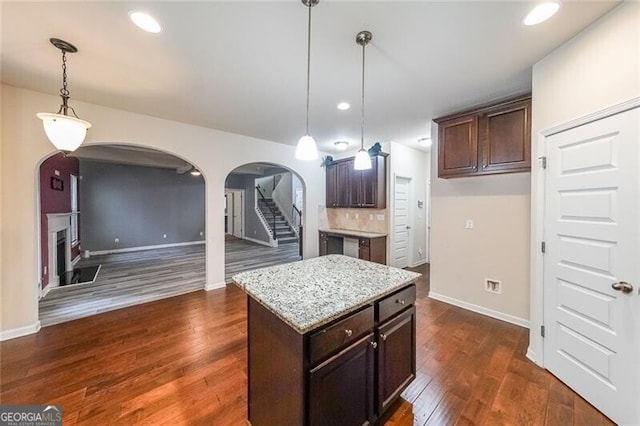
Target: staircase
{"points": [[284, 233]]}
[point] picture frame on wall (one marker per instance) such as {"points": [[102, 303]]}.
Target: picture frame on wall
{"points": [[57, 184]]}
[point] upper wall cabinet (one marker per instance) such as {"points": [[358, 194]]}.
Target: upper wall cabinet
{"points": [[488, 140], [350, 188]]}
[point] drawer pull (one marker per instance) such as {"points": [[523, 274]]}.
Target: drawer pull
{"points": [[400, 301], [383, 336], [374, 344], [348, 332]]}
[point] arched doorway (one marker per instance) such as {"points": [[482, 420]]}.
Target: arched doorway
{"points": [[120, 225], [263, 217]]}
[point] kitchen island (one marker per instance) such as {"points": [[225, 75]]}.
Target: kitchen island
{"points": [[331, 340]]}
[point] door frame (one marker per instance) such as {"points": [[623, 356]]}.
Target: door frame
{"points": [[535, 351], [392, 214], [234, 193]]}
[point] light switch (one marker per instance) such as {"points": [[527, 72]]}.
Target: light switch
{"points": [[468, 224]]}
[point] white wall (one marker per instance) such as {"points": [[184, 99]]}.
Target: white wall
{"points": [[414, 164], [215, 153], [497, 247], [598, 68]]}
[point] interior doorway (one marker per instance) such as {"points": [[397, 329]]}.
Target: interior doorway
{"points": [[402, 228], [234, 213]]}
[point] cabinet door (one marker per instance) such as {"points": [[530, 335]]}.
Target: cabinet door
{"points": [[364, 249], [458, 146], [505, 133], [323, 250], [369, 185], [331, 185], [341, 388], [396, 357], [355, 187], [343, 183]]}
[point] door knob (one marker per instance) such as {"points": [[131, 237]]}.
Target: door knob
{"points": [[622, 286]]}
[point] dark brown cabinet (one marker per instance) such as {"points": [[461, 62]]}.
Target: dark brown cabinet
{"points": [[347, 187], [336, 174], [347, 372], [488, 140], [396, 362], [341, 388], [371, 249]]}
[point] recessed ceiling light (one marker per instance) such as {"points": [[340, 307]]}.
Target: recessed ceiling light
{"points": [[341, 145], [542, 12], [342, 106], [425, 141], [145, 21]]}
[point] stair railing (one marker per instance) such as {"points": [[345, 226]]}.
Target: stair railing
{"points": [[294, 209], [273, 213], [296, 214]]}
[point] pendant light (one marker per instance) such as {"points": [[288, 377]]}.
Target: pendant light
{"points": [[362, 160], [64, 131], [307, 149]]}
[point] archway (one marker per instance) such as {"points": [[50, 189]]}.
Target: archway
{"points": [[264, 210], [139, 224]]}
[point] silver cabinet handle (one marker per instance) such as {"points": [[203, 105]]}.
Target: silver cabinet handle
{"points": [[374, 345], [348, 332], [400, 302], [383, 336], [622, 286]]}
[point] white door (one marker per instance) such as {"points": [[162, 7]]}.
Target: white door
{"points": [[401, 223], [592, 236]]}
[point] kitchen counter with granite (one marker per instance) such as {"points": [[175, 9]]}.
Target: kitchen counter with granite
{"points": [[353, 233], [313, 292]]}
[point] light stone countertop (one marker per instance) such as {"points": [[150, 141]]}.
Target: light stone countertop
{"points": [[311, 293], [353, 233]]}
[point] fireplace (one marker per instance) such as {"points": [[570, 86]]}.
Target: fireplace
{"points": [[59, 243]]}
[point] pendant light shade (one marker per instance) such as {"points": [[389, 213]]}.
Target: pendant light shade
{"points": [[362, 160], [307, 149], [66, 132]]}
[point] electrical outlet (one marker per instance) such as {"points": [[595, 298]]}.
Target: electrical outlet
{"points": [[468, 224], [201, 233], [419, 252], [493, 286], [164, 235], [380, 216], [370, 217], [346, 215], [45, 270], [116, 240], [357, 216]]}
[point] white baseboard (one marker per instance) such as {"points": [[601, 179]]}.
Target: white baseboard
{"points": [[159, 246], [19, 332], [480, 309], [531, 354], [45, 291], [76, 260], [264, 243], [419, 263], [209, 287]]}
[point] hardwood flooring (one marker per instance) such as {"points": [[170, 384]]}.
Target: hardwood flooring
{"points": [[183, 360], [128, 279]]}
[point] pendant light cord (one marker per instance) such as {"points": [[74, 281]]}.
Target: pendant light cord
{"points": [[308, 64], [362, 119]]}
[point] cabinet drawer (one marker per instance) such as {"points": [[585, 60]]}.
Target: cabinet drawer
{"points": [[335, 336], [391, 305]]}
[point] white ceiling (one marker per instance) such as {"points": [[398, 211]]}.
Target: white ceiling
{"points": [[240, 66]]}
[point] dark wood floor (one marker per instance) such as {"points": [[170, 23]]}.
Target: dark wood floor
{"points": [[182, 360]]}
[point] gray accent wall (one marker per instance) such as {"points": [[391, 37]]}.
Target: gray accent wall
{"points": [[138, 205]]}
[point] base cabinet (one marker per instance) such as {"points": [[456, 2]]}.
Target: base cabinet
{"points": [[396, 361], [341, 388], [347, 372]]}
